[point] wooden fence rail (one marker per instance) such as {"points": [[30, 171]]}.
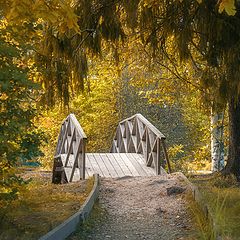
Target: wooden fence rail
{"points": [[70, 151], [137, 135]]}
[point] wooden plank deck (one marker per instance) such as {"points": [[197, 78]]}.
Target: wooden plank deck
{"points": [[111, 165]]}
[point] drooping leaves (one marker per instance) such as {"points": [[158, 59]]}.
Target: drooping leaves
{"points": [[228, 6]]}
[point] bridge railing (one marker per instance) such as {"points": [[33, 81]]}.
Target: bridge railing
{"points": [[137, 135], [70, 150]]}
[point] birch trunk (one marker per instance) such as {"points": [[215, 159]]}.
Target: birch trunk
{"points": [[217, 145]]}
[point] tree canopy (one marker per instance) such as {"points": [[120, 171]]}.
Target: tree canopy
{"points": [[195, 42]]}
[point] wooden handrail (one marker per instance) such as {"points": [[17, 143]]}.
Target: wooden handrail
{"points": [[72, 142], [146, 122], [137, 135]]}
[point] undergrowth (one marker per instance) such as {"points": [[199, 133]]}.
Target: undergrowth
{"points": [[98, 214], [222, 195], [202, 223]]}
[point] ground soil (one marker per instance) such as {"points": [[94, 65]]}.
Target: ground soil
{"points": [[140, 208], [41, 207]]}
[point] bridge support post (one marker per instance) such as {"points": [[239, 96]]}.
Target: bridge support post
{"points": [[58, 175]]}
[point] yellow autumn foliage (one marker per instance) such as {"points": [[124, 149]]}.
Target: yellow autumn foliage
{"points": [[228, 6], [56, 12]]}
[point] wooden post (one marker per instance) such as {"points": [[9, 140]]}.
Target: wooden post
{"points": [[57, 170], [82, 174], [158, 162], [62, 148], [70, 148], [166, 157]]}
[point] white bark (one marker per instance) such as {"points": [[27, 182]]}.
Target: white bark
{"points": [[217, 144]]}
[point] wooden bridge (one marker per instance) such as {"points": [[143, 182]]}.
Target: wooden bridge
{"points": [[138, 149]]}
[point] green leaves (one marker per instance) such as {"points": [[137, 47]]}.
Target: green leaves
{"points": [[19, 141]]}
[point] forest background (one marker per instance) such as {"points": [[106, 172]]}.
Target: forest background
{"points": [[55, 61]]}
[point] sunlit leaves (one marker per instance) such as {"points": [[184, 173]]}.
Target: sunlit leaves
{"points": [[97, 110], [149, 3], [55, 12], [228, 6], [223, 5], [19, 141]]}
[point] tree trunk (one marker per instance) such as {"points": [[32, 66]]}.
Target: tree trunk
{"points": [[217, 145], [233, 163]]}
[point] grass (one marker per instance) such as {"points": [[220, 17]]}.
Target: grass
{"points": [[41, 207], [201, 224], [222, 195], [98, 214]]}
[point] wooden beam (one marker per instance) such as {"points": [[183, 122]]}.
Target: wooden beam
{"points": [[70, 148], [64, 137], [166, 156], [158, 160]]}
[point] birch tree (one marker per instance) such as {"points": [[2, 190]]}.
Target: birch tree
{"points": [[217, 143]]}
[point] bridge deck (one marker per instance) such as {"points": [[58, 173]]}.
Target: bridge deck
{"points": [[111, 165]]}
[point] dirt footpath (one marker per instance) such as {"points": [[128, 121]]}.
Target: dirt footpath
{"points": [[140, 208]]}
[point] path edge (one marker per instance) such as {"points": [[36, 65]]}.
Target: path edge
{"points": [[66, 228], [199, 199]]}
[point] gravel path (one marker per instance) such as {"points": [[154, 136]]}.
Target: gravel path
{"points": [[139, 208]]}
